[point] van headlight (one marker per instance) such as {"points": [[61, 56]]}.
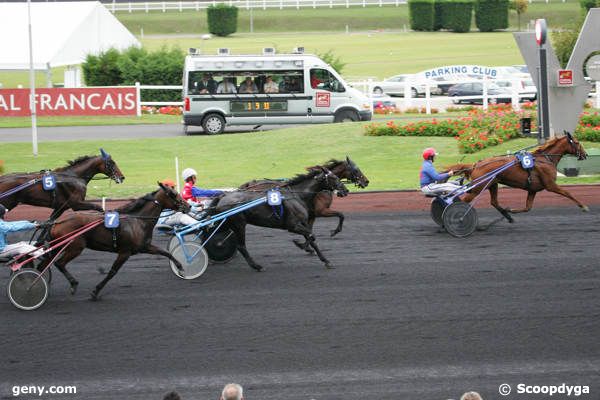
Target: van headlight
{"points": [[366, 106]]}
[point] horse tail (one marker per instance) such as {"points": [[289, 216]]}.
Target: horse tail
{"points": [[461, 169]]}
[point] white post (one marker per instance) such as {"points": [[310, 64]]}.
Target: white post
{"points": [[597, 94], [130, 8], [138, 96], [32, 105], [515, 95], [104, 203], [180, 6], [427, 98], [177, 172], [142, 32], [484, 100], [164, 7], [146, 6]]}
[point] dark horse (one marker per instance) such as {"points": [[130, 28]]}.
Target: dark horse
{"points": [[543, 175], [298, 193], [133, 236], [347, 170], [71, 185]]}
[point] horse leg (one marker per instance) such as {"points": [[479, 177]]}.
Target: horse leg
{"points": [[551, 186], [121, 258], [528, 204], [73, 250], [306, 245], [152, 249], [328, 213], [240, 232], [494, 202], [303, 230]]}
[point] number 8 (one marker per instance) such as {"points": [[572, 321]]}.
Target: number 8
{"points": [[274, 197]]}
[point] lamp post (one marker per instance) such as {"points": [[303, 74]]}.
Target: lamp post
{"points": [[541, 32], [32, 105]]}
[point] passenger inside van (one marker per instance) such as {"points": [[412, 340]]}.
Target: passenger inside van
{"points": [[206, 85], [227, 86], [248, 86], [270, 86]]}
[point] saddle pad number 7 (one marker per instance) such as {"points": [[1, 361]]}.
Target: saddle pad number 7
{"points": [[49, 182], [111, 219], [274, 197], [527, 161]]}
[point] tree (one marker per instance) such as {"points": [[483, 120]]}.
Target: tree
{"points": [[330, 58], [520, 6], [222, 19]]}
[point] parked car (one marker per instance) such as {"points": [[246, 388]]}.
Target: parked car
{"points": [[395, 86], [384, 103], [476, 89], [525, 87]]}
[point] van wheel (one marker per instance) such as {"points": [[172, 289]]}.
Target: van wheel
{"points": [[346, 116], [186, 130], [378, 90], [414, 93], [213, 124]]}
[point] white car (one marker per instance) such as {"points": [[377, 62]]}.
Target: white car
{"points": [[525, 87], [396, 85]]}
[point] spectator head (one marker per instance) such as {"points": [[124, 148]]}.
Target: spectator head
{"points": [[471, 396], [205, 76], [232, 391], [172, 396], [268, 78]]}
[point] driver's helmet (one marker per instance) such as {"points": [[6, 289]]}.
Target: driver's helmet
{"points": [[429, 153], [188, 173]]}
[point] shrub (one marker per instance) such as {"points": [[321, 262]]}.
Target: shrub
{"points": [[520, 6], [563, 43], [587, 4], [222, 19], [330, 58], [456, 15], [588, 127], [102, 70], [438, 14], [491, 15], [421, 15]]}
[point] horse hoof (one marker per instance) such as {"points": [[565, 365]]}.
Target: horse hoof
{"points": [[585, 209], [299, 244], [74, 288], [333, 233], [329, 266], [94, 296], [257, 268]]}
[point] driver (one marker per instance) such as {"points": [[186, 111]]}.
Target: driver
{"points": [[191, 193], [432, 182], [10, 250]]}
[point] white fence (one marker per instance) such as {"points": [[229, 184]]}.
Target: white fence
{"points": [[428, 102], [180, 6]]}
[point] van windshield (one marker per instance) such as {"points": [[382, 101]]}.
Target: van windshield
{"points": [[245, 82]]}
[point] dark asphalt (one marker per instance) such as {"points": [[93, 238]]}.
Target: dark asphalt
{"points": [[409, 313]]}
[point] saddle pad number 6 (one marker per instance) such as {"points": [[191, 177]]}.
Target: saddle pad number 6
{"points": [[111, 219], [274, 197], [49, 182], [527, 161]]}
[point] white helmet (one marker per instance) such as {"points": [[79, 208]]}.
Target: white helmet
{"points": [[188, 173]]}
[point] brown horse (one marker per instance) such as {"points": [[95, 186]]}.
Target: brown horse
{"points": [[71, 185], [133, 236], [321, 206], [542, 176]]}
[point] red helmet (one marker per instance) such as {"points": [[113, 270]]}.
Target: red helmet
{"points": [[429, 152]]}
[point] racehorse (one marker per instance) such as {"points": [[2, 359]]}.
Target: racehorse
{"points": [[346, 169], [133, 235], [71, 185], [542, 176], [298, 194]]}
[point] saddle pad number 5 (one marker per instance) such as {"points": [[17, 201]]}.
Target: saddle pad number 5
{"points": [[527, 161], [111, 219], [274, 197], [49, 182]]}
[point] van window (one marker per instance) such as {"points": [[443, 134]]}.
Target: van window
{"points": [[245, 82], [324, 80]]}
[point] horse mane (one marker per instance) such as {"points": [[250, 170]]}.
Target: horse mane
{"points": [[546, 146], [74, 162], [331, 164], [302, 177], [135, 205]]}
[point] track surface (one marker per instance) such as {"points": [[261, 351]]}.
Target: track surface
{"points": [[409, 313]]}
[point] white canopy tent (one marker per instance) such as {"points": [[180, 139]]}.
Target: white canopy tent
{"points": [[63, 34]]}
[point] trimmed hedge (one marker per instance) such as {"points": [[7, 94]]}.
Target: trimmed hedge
{"points": [[222, 19], [102, 70], [455, 14], [421, 15], [587, 4], [438, 10], [491, 15]]}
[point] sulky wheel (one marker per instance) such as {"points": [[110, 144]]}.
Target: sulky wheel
{"points": [[460, 219], [174, 242], [222, 246], [437, 209], [194, 260], [27, 289]]}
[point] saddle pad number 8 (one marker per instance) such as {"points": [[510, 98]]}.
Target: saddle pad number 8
{"points": [[48, 182], [111, 219], [274, 197], [527, 161]]}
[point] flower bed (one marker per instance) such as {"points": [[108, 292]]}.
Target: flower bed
{"points": [[480, 129], [167, 110], [588, 127]]}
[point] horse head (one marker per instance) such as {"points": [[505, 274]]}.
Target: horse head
{"points": [[574, 147], [110, 167], [330, 181], [169, 198], [356, 175]]}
